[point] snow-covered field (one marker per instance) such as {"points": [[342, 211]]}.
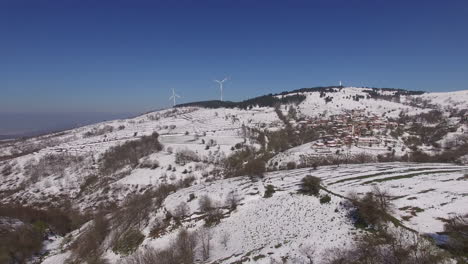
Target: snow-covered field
{"points": [[262, 229]]}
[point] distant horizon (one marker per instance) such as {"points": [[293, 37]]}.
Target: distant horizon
{"points": [[127, 56], [156, 108], [26, 124]]}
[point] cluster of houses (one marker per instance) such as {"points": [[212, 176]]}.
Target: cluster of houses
{"points": [[355, 127]]}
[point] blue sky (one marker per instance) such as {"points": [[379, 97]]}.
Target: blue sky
{"points": [[125, 56]]}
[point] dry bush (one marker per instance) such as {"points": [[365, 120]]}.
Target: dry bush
{"points": [[129, 153], [382, 247], [307, 251], [185, 245], [58, 220], [255, 167], [135, 210], [314, 161], [291, 165], [185, 156], [232, 200], [147, 256], [149, 164], [204, 237], [269, 191], [205, 204], [372, 209], [88, 246], [50, 164], [234, 164], [213, 217], [457, 230], [310, 185], [128, 242], [7, 169], [159, 227], [180, 251], [181, 210], [98, 131], [325, 199], [19, 244]]}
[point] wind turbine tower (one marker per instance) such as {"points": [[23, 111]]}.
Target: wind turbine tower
{"points": [[221, 85], [340, 84], [173, 97]]}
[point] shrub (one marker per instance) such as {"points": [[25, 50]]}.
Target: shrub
{"points": [[310, 185], [50, 164], [232, 200], [129, 153], [159, 227], [457, 230], [205, 204], [88, 245], [7, 169], [204, 236], [269, 191], [185, 156], [372, 209], [19, 244], [149, 164], [97, 131], [325, 199], [191, 197], [242, 163], [88, 182], [129, 242], [180, 250], [213, 217], [58, 220], [291, 165], [400, 246], [181, 210], [185, 245], [255, 167]]}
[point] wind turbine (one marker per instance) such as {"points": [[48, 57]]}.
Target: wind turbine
{"points": [[174, 96], [221, 85]]}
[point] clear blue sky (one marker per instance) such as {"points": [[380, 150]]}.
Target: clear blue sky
{"points": [[125, 56]]}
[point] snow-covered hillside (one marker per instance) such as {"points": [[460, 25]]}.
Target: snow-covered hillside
{"points": [[263, 229], [457, 99], [340, 125]]}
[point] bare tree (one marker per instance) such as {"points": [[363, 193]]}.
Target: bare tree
{"points": [[181, 210], [185, 245], [204, 237], [308, 252], [205, 204], [383, 198], [232, 200]]}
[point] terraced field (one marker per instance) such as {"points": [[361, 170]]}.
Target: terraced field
{"points": [[423, 194]]}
